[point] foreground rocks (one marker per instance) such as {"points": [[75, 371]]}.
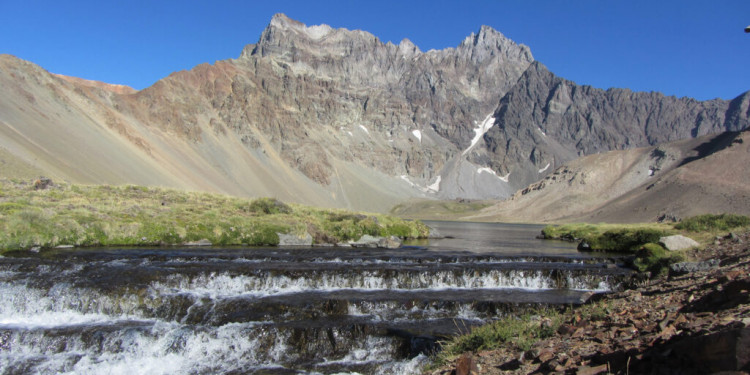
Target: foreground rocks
{"points": [[694, 323]]}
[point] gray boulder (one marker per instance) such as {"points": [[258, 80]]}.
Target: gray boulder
{"points": [[366, 241], [295, 240], [677, 242], [391, 242]]}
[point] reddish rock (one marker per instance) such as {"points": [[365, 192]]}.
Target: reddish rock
{"points": [[466, 365]]}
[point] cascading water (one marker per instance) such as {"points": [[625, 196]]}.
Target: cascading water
{"points": [[259, 311]]}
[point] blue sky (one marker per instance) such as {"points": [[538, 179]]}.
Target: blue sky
{"points": [[682, 48]]}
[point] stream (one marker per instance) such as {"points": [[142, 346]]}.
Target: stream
{"points": [[319, 310]]}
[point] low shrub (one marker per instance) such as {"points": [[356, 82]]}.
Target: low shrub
{"points": [[654, 258], [269, 206], [711, 222]]}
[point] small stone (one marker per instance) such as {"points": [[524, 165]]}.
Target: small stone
{"points": [[586, 370], [545, 355]]}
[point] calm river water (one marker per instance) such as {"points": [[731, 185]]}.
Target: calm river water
{"points": [[322, 310]]}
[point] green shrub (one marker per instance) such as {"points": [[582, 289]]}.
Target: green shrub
{"points": [[269, 206], [710, 222], [654, 258], [624, 240]]}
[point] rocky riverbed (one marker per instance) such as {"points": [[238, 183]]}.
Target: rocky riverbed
{"points": [[688, 323]]}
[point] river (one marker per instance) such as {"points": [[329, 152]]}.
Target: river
{"points": [[320, 310]]}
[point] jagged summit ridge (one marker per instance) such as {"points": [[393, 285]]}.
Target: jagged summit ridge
{"points": [[488, 41]]}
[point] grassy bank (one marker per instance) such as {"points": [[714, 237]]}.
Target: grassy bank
{"points": [[143, 216]]}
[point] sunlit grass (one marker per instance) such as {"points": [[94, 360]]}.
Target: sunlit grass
{"points": [[105, 215]]}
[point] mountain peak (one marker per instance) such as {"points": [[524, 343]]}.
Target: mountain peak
{"points": [[488, 41]]}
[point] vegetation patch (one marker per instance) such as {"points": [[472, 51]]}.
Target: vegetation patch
{"points": [[106, 215], [518, 331], [713, 223], [609, 237]]}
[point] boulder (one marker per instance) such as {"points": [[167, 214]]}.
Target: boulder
{"points": [[295, 240], [366, 241], [391, 242], [677, 242]]}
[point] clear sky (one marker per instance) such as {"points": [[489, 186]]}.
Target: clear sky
{"points": [[682, 48]]}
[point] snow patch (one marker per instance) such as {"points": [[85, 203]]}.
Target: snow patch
{"points": [[365, 129], [490, 171], [435, 186], [351, 134], [504, 178], [417, 134], [480, 131], [406, 178], [544, 169], [650, 172], [542, 131]]}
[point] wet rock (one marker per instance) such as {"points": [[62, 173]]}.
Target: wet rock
{"points": [[677, 242], [683, 268], [584, 246], [391, 242], [290, 239], [366, 241]]}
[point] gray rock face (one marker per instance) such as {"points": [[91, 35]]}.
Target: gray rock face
{"points": [[677, 242], [317, 94], [545, 121]]}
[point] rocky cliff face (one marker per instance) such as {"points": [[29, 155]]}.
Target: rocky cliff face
{"points": [[336, 117], [545, 121]]}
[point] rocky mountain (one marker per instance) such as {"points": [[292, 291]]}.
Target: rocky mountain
{"points": [[670, 181], [545, 121], [336, 117]]}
